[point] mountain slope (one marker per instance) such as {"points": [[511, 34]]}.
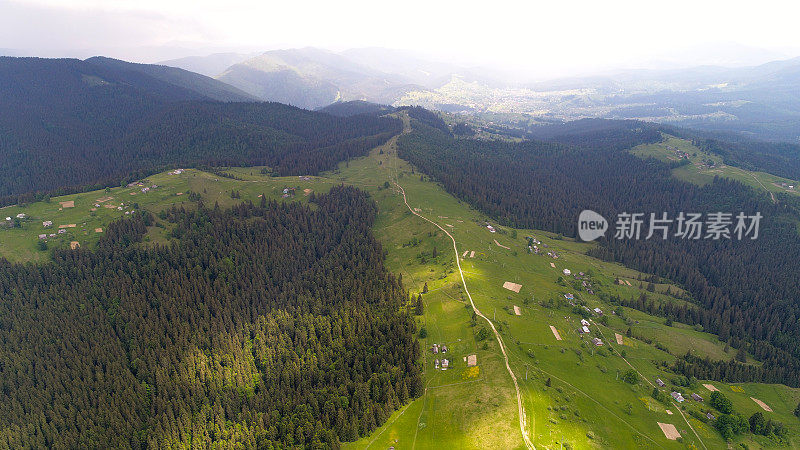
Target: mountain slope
{"points": [[312, 78], [281, 85], [66, 122], [211, 65], [203, 85], [131, 345], [547, 185]]}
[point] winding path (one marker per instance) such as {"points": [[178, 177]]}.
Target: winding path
{"points": [[520, 407]]}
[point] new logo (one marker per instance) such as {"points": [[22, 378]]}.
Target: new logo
{"points": [[591, 225]]}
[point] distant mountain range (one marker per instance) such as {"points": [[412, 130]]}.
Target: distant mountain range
{"points": [[308, 78], [758, 101], [211, 65]]}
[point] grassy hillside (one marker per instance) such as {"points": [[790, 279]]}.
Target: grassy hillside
{"points": [[585, 404], [704, 166]]}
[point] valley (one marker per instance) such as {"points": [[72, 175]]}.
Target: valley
{"points": [[571, 390], [371, 226]]}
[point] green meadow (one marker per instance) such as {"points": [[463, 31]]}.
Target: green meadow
{"points": [[573, 391], [699, 171]]}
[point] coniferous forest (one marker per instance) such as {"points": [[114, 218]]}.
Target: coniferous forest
{"points": [[746, 290], [272, 326], [71, 125]]}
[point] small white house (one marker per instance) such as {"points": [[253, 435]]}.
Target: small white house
{"points": [[598, 311], [445, 364], [567, 272], [677, 396], [584, 322], [21, 216], [47, 223], [585, 329]]}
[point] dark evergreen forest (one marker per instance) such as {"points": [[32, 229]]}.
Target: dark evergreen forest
{"points": [[268, 326], [747, 290], [70, 125]]}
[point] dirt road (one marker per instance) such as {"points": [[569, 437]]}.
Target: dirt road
{"points": [[520, 407]]}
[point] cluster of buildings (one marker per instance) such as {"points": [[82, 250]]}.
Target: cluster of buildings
{"points": [[444, 363], [677, 396], [491, 229], [582, 277], [584, 329], [10, 220], [678, 153], [144, 188], [533, 245]]}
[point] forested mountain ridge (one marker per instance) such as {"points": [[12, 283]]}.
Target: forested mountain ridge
{"points": [[203, 85], [66, 123], [273, 325], [746, 288]]}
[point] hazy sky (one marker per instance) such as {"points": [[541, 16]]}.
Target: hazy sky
{"points": [[543, 38]]}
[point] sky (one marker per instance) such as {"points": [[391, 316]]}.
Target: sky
{"points": [[540, 38]]}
